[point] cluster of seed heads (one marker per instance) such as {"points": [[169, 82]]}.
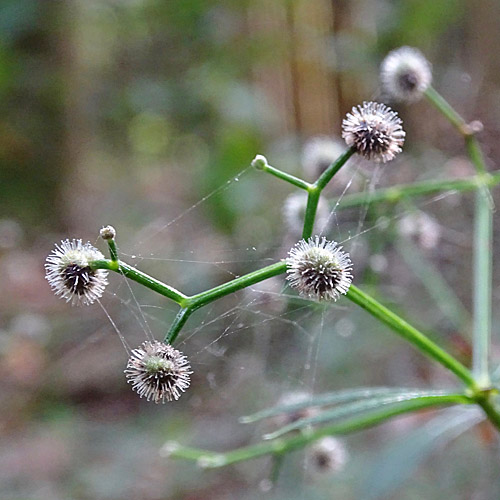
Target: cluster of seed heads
{"points": [[316, 267]]}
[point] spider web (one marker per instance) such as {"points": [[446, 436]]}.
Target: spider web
{"points": [[250, 349], [255, 312]]}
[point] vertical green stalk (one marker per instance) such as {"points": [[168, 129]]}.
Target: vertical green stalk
{"points": [[310, 216], [113, 251], [483, 230], [179, 322], [315, 189], [482, 289]]}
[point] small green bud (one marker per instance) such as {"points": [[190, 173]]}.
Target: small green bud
{"points": [[260, 162], [108, 233]]}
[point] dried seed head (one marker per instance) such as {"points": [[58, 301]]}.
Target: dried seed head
{"points": [[374, 130], [405, 74], [319, 153], [328, 455], [319, 269], [68, 271], [158, 372], [294, 210]]}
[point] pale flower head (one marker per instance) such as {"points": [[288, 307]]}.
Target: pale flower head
{"points": [[69, 273], [374, 130], [405, 74]]}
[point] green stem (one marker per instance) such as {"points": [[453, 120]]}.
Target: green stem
{"points": [[142, 278], [411, 334], [490, 411], [482, 289], [444, 107], [203, 298], [315, 192], [483, 238], [310, 216], [113, 250], [179, 322], [291, 179], [328, 174], [396, 193], [483, 231], [284, 445], [475, 154]]}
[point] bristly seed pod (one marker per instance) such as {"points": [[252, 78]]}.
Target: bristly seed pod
{"points": [[158, 372], [319, 269], [374, 130], [69, 273], [329, 454], [405, 74]]}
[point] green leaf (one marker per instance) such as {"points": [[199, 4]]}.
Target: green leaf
{"points": [[328, 398], [350, 409]]}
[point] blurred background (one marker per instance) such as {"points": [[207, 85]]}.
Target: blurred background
{"points": [[145, 114]]}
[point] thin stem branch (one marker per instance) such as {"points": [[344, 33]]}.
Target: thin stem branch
{"points": [[328, 174], [396, 193], [446, 109], [411, 334], [310, 215], [475, 154], [482, 289], [179, 322], [113, 250], [284, 445], [203, 298], [142, 278], [291, 179], [315, 192], [483, 230]]}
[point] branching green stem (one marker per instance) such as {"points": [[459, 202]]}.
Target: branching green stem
{"points": [[291, 179], [281, 446], [397, 193], [483, 230], [315, 190], [411, 334], [203, 298], [142, 278]]}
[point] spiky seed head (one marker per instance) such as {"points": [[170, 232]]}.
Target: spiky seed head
{"points": [[405, 74], [319, 153], [374, 130], [319, 269], [329, 454], [158, 372], [68, 271], [108, 233]]}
